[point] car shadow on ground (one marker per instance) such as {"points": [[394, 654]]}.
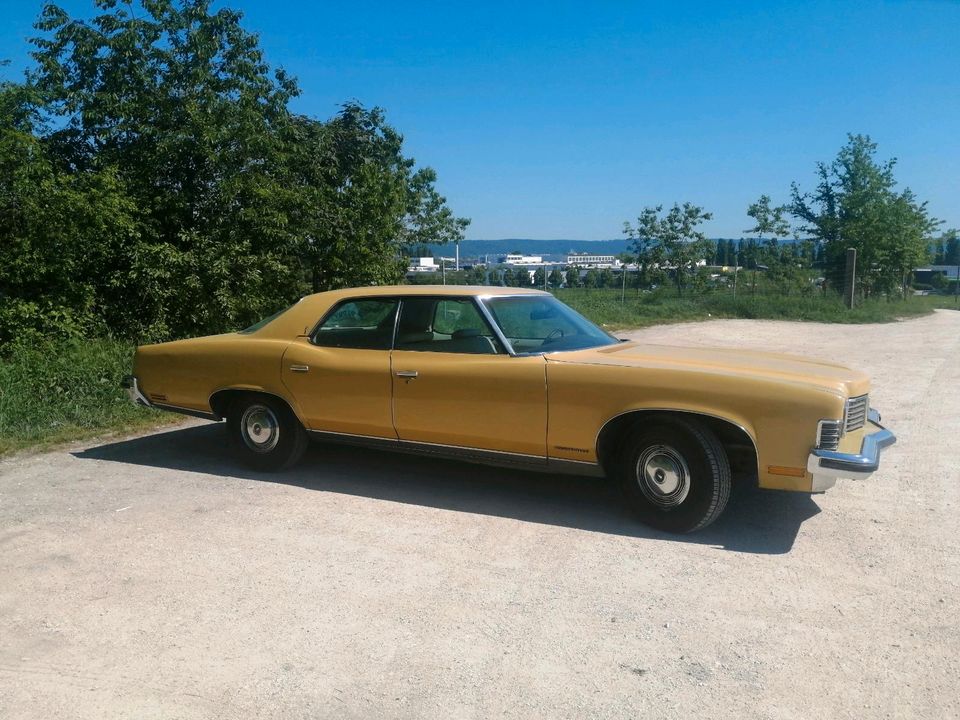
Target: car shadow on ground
{"points": [[755, 521]]}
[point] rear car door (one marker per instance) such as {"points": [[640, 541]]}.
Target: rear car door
{"points": [[340, 375]]}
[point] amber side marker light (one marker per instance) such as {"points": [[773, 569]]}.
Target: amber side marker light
{"points": [[788, 471]]}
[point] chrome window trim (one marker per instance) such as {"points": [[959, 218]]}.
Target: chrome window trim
{"points": [[488, 316], [336, 306]]}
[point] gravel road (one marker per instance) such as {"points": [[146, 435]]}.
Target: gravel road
{"points": [[154, 577]]}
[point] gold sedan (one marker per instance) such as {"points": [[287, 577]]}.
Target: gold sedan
{"points": [[516, 378]]}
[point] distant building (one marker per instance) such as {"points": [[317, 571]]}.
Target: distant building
{"points": [[593, 261], [423, 264], [925, 274], [518, 259]]}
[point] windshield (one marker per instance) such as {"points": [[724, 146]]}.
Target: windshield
{"points": [[541, 323]]}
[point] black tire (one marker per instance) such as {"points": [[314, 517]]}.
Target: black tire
{"points": [[674, 473], [267, 434]]}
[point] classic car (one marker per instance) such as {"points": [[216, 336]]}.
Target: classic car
{"points": [[513, 377]]}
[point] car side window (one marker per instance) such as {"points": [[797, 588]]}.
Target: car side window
{"points": [[452, 325], [358, 324]]}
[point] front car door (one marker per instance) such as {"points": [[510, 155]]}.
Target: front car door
{"points": [[454, 384]]}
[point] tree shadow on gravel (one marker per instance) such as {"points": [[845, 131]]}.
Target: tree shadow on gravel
{"points": [[755, 521]]}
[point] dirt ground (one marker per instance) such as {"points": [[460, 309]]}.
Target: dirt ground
{"points": [[154, 577]]}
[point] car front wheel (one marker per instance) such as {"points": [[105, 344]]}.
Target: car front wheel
{"points": [[266, 432], [674, 473]]}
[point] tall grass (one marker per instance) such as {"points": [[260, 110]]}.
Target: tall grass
{"points": [[66, 391], [664, 305]]}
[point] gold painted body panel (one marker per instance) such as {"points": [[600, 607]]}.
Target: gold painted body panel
{"points": [[547, 405], [343, 390], [493, 402], [185, 373]]}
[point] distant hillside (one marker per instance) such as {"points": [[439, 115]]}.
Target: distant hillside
{"points": [[550, 249], [527, 246]]}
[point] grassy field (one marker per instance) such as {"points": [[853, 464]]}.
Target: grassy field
{"points": [[664, 306], [63, 392], [71, 391]]}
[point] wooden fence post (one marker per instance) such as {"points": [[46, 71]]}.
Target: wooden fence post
{"points": [[850, 277]]}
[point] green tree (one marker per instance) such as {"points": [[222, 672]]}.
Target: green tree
{"points": [[646, 243], [539, 277], [719, 253], [214, 204], [555, 279], [59, 232], [856, 205], [673, 238], [768, 221], [476, 275], [769, 225], [939, 252], [951, 247], [591, 279], [572, 277], [362, 204]]}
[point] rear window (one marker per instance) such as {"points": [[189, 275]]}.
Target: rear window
{"points": [[263, 323]]}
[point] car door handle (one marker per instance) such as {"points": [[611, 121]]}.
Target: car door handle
{"points": [[408, 374], [299, 368]]}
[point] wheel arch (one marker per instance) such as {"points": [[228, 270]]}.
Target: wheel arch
{"points": [[220, 400], [737, 439]]}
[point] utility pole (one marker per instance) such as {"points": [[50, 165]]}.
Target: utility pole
{"points": [[623, 285]]}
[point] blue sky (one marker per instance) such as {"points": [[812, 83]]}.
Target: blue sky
{"points": [[562, 120]]}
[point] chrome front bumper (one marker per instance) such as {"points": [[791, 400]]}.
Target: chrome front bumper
{"points": [[826, 466]]}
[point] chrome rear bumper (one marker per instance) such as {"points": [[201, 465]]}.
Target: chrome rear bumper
{"points": [[133, 391], [826, 466]]}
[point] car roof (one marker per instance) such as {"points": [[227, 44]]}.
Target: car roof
{"points": [[307, 312], [407, 290]]}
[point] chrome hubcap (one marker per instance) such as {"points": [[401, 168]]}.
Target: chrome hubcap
{"points": [[663, 476], [260, 428]]}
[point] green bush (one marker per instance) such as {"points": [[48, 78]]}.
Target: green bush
{"points": [[58, 391]]}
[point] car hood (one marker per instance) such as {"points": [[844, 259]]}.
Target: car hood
{"points": [[731, 361]]}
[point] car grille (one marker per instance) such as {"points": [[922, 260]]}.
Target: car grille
{"points": [[828, 434], [856, 415]]}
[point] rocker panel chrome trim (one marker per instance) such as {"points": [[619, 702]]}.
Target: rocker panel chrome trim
{"points": [[467, 454]]}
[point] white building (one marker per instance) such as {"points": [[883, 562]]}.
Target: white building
{"points": [[424, 264], [518, 259], [593, 261]]}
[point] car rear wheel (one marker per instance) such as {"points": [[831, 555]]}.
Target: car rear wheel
{"points": [[674, 473], [266, 432]]}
